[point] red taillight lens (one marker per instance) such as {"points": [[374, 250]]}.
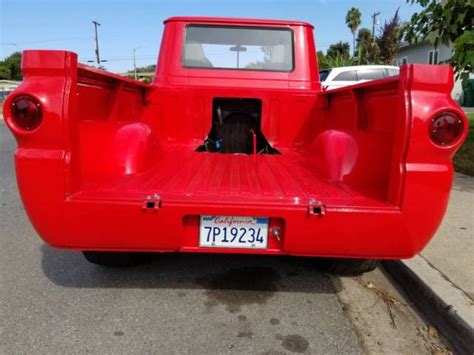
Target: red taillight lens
{"points": [[445, 129], [26, 113]]}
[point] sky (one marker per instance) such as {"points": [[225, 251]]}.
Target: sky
{"points": [[125, 25]]}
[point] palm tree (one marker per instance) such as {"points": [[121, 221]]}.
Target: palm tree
{"points": [[353, 21]]}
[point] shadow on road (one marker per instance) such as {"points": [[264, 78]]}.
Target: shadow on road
{"points": [[192, 271]]}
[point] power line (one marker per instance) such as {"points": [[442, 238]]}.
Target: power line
{"points": [[54, 40], [129, 58]]}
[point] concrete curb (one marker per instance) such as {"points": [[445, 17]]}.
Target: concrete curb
{"points": [[440, 313]]}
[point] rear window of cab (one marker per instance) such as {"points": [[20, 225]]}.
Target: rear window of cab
{"points": [[238, 48]]}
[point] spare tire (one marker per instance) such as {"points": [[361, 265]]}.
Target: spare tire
{"points": [[235, 133]]}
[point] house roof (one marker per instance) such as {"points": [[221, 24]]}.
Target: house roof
{"points": [[414, 44]]}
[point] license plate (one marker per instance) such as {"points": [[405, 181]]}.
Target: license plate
{"points": [[233, 232]]}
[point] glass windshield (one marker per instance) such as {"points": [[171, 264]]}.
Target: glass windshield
{"points": [[238, 48]]}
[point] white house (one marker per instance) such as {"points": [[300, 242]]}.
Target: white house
{"points": [[426, 53]]}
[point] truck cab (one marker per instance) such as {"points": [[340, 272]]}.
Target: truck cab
{"points": [[233, 148]]}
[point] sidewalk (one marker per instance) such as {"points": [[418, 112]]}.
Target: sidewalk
{"points": [[441, 279], [451, 251]]}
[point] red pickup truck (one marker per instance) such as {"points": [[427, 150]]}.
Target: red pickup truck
{"points": [[233, 148]]}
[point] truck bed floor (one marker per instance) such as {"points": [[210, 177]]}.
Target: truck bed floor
{"points": [[183, 174]]}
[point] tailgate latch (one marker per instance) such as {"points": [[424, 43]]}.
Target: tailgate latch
{"points": [[316, 207], [152, 202]]}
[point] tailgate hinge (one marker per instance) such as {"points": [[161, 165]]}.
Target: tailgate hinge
{"points": [[316, 207], [152, 202]]}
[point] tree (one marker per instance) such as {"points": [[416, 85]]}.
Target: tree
{"points": [[340, 49], [322, 60], [146, 69], [336, 57], [447, 22], [353, 22], [364, 42], [10, 67], [338, 61], [388, 41], [4, 72]]}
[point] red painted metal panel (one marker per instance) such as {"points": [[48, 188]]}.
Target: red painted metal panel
{"points": [[107, 142]]}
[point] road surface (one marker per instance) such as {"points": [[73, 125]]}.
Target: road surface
{"points": [[53, 301]]}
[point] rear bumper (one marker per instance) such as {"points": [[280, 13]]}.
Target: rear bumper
{"points": [[102, 225], [70, 222]]}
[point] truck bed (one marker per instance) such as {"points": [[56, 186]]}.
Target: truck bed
{"points": [[182, 174], [107, 145]]}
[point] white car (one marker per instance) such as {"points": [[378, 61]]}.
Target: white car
{"points": [[345, 76]]}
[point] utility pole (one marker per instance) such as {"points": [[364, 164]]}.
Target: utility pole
{"points": [[135, 62], [96, 42], [374, 22]]}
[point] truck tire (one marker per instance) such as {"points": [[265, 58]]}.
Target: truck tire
{"points": [[347, 267], [116, 259]]}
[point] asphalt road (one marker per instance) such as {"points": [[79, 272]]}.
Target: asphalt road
{"points": [[54, 301]]}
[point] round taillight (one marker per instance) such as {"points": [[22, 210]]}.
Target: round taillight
{"points": [[445, 129], [26, 113]]}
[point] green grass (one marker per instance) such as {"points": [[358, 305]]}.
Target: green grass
{"points": [[464, 158]]}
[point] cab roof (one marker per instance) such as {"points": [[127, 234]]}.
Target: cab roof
{"points": [[235, 21]]}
